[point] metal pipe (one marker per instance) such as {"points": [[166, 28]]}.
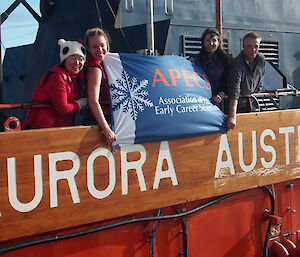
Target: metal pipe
{"points": [[14, 5], [33, 13], [150, 26], [24, 106], [169, 11], [219, 24], [9, 10], [129, 9]]}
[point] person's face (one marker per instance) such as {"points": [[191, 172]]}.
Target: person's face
{"points": [[74, 63], [251, 47], [211, 43], [98, 47]]}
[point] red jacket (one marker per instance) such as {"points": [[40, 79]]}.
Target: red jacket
{"points": [[60, 89], [104, 96]]}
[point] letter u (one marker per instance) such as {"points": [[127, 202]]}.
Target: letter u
{"points": [[241, 152], [12, 185]]}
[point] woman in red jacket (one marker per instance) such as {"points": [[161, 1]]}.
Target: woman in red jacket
{"points": [[58, 87], [97, 88]]}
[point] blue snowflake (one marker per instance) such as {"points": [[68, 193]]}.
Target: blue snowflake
{"points": [[129, 94]]}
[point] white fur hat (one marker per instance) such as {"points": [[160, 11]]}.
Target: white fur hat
{"points": [[68, 48]]}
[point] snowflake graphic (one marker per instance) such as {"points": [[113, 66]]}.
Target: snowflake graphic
{"points": [[130, 95]]}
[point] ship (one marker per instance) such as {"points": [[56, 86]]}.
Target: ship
{"points": [[64, 192]]}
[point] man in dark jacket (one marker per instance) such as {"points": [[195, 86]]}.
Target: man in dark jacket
{"points": [[246, 75]]}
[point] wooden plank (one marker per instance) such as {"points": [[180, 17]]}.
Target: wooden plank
{"points": [[155, 174]]}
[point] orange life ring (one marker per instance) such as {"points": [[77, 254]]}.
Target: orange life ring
{"points": [[12, 124]]}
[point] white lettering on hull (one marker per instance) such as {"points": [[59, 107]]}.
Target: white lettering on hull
{"points": [[268, 148], [224, 161], [286, 131], [164, 154], [69, 175], [12, 182], [133, 165], [251, 166], [228, 163], [111, 173], [224, 148]]}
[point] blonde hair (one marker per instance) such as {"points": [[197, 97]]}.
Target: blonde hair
{"points": [[96, 32]]}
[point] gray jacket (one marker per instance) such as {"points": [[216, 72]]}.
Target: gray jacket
{"points": [[241, 81]]}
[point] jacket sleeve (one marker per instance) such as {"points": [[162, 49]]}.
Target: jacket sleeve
{"points": [[56, 87], [224, 78], [234, 82], [263, 70]]}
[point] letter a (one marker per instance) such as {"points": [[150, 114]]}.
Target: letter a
{"points": [[164, 154], [162, 78], [224, 147]]}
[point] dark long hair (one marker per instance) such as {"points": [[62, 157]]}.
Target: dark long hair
{"points": [[214, 32]]}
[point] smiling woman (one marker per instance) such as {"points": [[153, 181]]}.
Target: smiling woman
{"points": [[97, 44], [59, 88], [215, 62]]}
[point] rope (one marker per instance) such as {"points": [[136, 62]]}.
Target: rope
{"points": [[159, 212], [122, 31], [184, 221], [98, 14]]}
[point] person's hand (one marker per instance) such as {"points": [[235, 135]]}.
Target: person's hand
{"points": [[192, 59], [109, 136], [231, 123], [82, 102], [217, 99]]}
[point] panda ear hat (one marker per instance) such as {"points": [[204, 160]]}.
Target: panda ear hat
{"points": [[68, 48]]}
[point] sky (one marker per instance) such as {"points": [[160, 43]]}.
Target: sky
{"points": [[20, 27]]}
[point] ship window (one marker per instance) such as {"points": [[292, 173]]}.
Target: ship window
{"points": [[192, 44], [270, 51]]}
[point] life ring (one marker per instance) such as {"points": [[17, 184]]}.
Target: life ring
{"points": [[12, 124]]}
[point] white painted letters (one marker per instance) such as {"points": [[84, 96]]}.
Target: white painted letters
{"points": [[286, 131], [263, 148], [164, 154], [268, 148], [224, 147], [133, 165], [69, 175], [241, 152], [90, 173], [12, 185]]}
